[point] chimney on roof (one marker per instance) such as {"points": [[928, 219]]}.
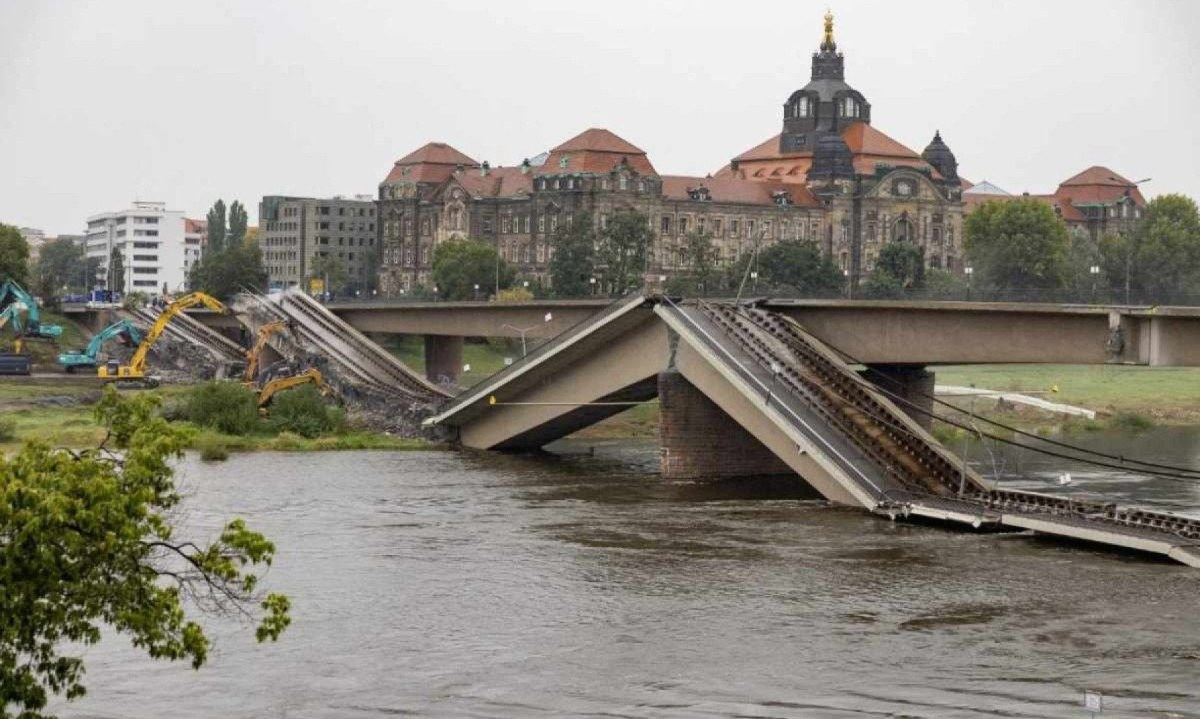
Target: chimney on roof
{"points": [[483, 169], [525, 166]]}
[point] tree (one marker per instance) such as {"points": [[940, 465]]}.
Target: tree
{"points": [[701, 255], [798, 266], [61, 264], [216, 227], [14, 255], [573, 262], [624, 242], [224, 273], [238, 222], [1017, 244], [899, 267], [1162, 255], [116, 270], [330, 270], [88, 545], [461, 265]]}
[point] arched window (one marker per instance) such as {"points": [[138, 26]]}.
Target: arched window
{"points": [[902, 231]]}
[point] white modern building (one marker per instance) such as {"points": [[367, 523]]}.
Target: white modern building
{"points": [[150, 239]]}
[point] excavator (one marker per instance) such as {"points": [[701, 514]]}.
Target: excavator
{"points": [[86, 358], [135, 371], [310, 375], [253, 357], [18, 360], [11, 293]]}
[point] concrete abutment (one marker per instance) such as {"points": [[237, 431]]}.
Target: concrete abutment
{"points": [[698, 439], [443, 358], [911, 383]]}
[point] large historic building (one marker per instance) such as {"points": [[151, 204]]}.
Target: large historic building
{"points": [[828, 177]]}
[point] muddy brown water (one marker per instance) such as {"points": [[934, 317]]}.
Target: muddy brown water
{"points": [[478, 585]]}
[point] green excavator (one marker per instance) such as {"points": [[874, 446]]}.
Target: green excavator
{"points": [[86, 358]]}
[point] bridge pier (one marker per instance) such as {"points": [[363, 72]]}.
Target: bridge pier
{"points": [[913, 383], [698, 439], [443, 358]]}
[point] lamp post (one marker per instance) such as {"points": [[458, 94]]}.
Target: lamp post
{"points": [[592, 282], [849, 288], [754, 281], [523, 330], [1094, 271], [476, 291], [968, 271]]}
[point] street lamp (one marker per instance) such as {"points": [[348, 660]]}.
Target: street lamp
{"points": [[523, 330], [849, 287], [476, 291], [754, 281], [1094, 271], [592, 282], [969, 270]]}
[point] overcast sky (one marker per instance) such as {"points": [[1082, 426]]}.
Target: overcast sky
{"points": [[185, 102]]}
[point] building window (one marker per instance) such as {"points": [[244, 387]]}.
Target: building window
{"points": [[717, 226], [749, 228], [624, 182], [735, 226], [541, 254], [487, 224], [504, 224], [541, 223], [603, 221], [683, 225], [665, 226]]}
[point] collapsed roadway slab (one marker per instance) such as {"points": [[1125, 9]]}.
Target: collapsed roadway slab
{"points": [[788, 395]]}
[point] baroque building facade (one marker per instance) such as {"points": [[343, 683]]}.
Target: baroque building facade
{"points": [[828, 177]]}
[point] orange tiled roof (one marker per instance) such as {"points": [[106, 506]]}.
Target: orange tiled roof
{"points": [[733, 189], [1096, 185], [595, 151], [194, 226], [870, 146], [498, 182], [432, 162]]}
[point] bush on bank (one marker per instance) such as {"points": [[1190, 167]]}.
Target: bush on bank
{"points": [[303, 411], [227, 407]]}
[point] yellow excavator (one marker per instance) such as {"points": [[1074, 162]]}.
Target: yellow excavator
{"points": [[312, 375], [250, 376], [136, 369]]}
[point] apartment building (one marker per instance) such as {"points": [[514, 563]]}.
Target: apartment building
{"points": [[294, 231], [150, 240]]}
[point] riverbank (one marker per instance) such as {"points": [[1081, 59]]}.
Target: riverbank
{"points": [[58, 411]]}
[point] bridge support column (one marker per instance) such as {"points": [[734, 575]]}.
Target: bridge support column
{"points": [[443, 358], [913, 383], [698, 439]]}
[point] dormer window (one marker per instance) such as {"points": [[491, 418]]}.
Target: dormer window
{"points": [[801, 107], [781, 198], [562, 161], [699, 194], [850, 107]]}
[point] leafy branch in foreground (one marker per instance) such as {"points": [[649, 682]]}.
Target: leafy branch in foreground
{"points": [[86, 541]]}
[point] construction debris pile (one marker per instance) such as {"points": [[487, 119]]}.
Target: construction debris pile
{"points": [[374, 386]]}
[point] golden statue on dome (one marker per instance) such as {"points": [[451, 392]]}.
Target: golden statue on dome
{"points": [[827, 42]]}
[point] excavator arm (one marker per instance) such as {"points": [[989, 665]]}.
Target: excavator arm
{"points": [[87, 357], [137, 364], [252, 357], [278, 385]]}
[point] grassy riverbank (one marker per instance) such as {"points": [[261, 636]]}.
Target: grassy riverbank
{"points": [[58, 412]]}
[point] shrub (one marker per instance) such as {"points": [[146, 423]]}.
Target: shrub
{"points": [[226, 407], [1131, 422], [213, 451], [304, 412], [8, 429]]}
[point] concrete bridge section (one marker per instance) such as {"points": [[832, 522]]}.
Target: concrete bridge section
{"points": [[749, 392]]}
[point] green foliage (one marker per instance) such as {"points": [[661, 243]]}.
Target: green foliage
{"points": [[133, 300], [329, 269], [1017, 244], [798, 266], [238, 221], [1163, 253], [225, 406], [303, 411], [460, 265], [226, 272], [116, 270], [1130, 422], [212, 450], [216, 227], [88, 545], [8, 429], [61, 264], [624, 242], [14, 255], [899, 267], [514, 294], [573, 263]]}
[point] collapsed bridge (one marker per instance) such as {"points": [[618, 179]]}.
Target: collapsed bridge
{"points": [[747, 391]]}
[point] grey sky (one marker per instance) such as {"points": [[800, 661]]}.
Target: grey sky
{"points": [[105, 102]]}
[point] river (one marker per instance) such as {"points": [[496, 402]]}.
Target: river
{"points": [[582, 584]]}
